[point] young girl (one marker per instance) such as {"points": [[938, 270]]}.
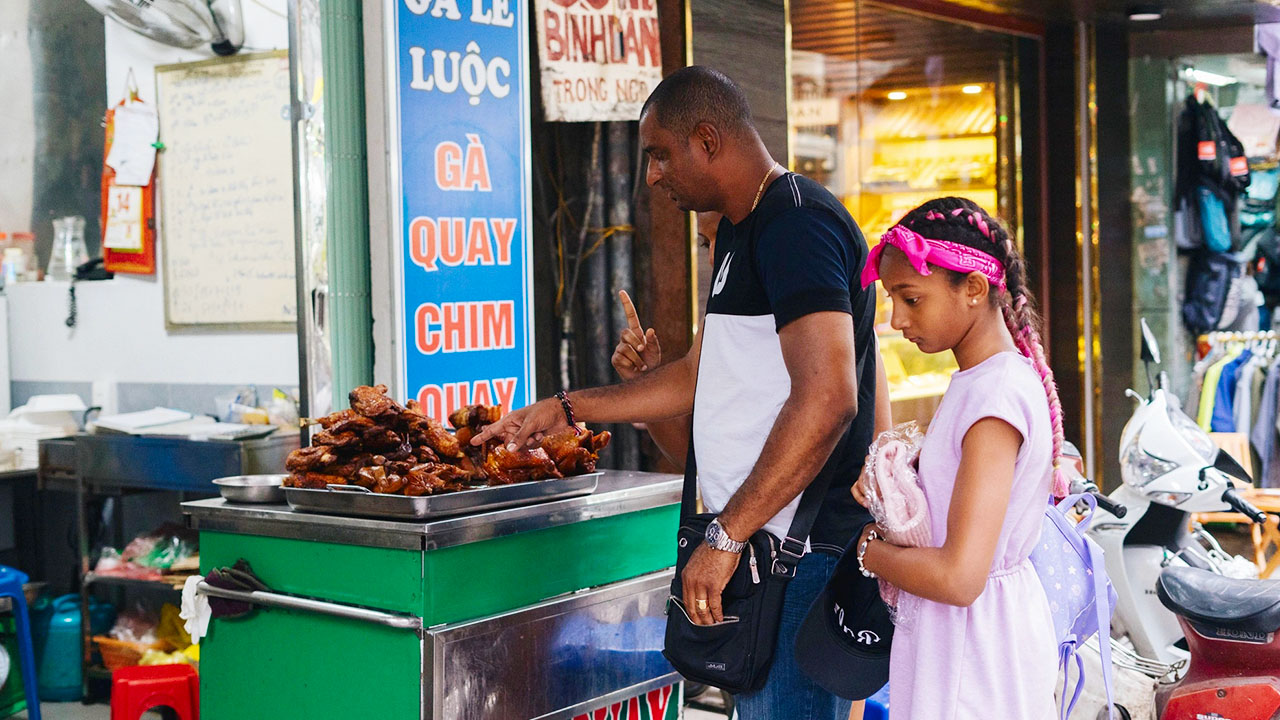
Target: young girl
{"points": [[977, 637]]}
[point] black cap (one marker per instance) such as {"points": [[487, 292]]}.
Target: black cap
{"points": [[843, 643]]}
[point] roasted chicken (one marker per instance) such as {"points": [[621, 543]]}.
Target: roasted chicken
{"points": [[393, 449], [574, 450]]}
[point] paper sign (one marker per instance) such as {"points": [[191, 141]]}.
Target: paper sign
{"points": [[124, 218], [133, 152], [599, 59]]}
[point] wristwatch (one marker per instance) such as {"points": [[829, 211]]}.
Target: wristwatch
{"points": [[718, 539]]}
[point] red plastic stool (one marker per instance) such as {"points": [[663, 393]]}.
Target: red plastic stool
{"points": [[134, 690]]}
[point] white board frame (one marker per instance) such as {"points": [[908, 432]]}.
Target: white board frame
{"points": [[216, 327]]}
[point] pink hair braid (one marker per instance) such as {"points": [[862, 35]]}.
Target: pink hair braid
{"points": [[1028, 342]]}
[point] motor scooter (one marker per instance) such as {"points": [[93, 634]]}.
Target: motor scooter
{"points": [[1232, 628], [1170, 469]]}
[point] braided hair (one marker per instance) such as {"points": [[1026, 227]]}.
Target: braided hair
{"points": [[963, 221]]}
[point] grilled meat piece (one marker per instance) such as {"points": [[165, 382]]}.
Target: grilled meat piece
{"points": [[369, 477], [381, 438], [357, 424], [311, 458], [332, 419], [504, 467], [424, 430], [313, 480], [475, 416], [432, 478], [347, 439], [575, 451], [390, 485], [373, 403]]}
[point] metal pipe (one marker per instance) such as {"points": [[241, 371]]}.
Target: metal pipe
{"points": [[620, 264], [594, 335], [320, 607], [1084, 121], [347, 207]]}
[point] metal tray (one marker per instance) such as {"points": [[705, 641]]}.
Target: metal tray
{"points": [[355, 500], [252, 488]]}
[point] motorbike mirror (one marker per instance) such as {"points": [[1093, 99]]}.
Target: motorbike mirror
{"points": [[1226, 464], [1150, 348]]}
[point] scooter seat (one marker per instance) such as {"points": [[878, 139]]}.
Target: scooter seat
{"points": [[1231, 603]]}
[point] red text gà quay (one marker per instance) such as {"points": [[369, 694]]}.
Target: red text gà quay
{"points": [[454, 241], [457, 169]]}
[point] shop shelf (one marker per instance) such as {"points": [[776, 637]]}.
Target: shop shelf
{"points": [[174, 582]]}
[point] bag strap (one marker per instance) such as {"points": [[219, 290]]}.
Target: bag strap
{"points": [[1065, 654], [810, 500], [1101, 605]]}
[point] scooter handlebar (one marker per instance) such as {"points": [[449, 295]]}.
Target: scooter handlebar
{"points": [[1242, 506], [1110, 505], [1080, 485]]}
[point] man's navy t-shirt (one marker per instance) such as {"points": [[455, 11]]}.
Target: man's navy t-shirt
{"points": [[798, 252]]}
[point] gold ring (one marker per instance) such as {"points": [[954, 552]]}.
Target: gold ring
{"points": [[701, 603]]}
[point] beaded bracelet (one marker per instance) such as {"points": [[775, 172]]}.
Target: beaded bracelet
{"points": [[862, 551], [567, 407]]}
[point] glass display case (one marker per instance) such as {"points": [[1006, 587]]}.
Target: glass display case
{"points": [[887, 121]]}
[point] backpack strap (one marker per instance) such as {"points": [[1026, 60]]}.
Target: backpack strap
{"points": [[1102, 607], [1065, 653]]}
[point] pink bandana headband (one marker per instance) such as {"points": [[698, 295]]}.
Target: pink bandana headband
{"points": [[922, 252]]}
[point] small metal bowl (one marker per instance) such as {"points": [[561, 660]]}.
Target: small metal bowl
{"points": [[252, 488]]}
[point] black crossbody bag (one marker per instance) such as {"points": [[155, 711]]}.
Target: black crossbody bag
{"points": [[735, 654]]}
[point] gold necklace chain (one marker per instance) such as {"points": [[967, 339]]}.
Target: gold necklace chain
{"points": [[760, 191]]}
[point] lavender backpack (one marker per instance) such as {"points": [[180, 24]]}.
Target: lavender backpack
{"points": [[1081, 598]]}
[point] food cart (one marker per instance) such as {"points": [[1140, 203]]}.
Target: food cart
{"points": [[548, 610]]}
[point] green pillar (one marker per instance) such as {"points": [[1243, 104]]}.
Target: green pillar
{"points": [[347, 210]]}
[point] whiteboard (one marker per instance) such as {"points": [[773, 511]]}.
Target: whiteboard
{"points": [[226, 192]]}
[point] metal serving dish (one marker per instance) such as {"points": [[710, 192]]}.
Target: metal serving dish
{"points": [[355, 500], [252, 488]]}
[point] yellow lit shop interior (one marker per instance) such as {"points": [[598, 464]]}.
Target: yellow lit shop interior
{"points": [[889, 110]]}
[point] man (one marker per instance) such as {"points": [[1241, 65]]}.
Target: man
{"points": [[777, 401]]}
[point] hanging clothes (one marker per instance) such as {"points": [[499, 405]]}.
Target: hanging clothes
{"points": [[1244, 401], [1192, 406], [1223, 417], [1263, 435], [1209, 393], [1266, 37]]}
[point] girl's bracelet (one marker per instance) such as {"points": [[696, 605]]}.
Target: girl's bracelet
{"points": [[862, 552]]}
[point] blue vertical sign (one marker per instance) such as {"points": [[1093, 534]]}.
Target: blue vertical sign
{"points": [[465, 247]]}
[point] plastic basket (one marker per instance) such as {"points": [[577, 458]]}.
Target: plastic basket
{"points": [[122, 653]]}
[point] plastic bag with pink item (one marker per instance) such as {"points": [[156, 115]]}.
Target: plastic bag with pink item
{"points": [[896, 499]]}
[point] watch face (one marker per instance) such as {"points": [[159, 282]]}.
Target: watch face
{"points": [[714, 533]]}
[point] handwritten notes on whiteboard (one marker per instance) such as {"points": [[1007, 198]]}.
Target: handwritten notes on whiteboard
{"points": [[226, 188]]}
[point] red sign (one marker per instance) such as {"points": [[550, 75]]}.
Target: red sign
{"points": [[600, 59], [1239, 166], [1208, 150]]}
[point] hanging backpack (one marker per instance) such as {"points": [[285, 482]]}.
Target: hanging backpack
{"points": [[1209, 279], [1081, 599]]}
